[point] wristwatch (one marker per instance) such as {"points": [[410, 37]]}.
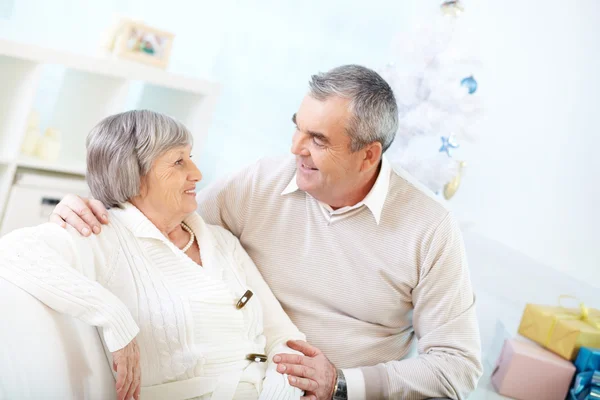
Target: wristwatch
{"points": [[340, 392]]}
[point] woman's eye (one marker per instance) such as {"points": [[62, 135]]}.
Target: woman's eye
{"points": [[179, 162]]}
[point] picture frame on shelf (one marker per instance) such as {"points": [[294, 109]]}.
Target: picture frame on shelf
{"points": [[139, 42]]}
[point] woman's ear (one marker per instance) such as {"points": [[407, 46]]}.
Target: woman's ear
{"points": [[143, 186]]}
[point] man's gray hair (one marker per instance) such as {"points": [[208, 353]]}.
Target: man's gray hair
{"points": [[122, 148], [372, 103]]}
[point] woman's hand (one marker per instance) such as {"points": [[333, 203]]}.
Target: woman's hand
{"points": [[126, 363], [277, 387]]}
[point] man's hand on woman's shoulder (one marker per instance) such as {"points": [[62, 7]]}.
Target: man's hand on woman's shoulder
{"points": [[85, 215]]}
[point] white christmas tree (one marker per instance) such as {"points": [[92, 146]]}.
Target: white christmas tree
{"points": [[433, 75]]}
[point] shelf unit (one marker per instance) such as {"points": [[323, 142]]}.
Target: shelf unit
{"points": [[72, 93]]}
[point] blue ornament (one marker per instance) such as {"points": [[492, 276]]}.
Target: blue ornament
{"points": [[470, 83], [448, 143]]}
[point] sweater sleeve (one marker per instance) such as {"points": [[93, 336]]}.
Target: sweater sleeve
{"points": [[445, 324], [48, 263], [226, 202]]}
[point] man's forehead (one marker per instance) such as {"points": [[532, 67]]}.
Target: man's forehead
{"points": [[323, 114]]}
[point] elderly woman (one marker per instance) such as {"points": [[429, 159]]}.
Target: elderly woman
{"points": [[181, 308]]}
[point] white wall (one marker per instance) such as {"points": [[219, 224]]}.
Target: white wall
{"points": [[530, 180], [533, 176]]}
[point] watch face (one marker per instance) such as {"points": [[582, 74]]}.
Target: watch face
{"points": [[341, 391]]}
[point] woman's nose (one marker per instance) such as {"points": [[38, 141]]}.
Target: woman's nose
{"points": [[195, 174]]}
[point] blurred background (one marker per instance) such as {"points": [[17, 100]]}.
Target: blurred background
{"points": [[526, 198], [533, 172]]}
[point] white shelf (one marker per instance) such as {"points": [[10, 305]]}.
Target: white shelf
{"points": [[33, 163], [7, 174], [41, 165], [108, 66], [71, 93], [6, 161], [18, 82]]}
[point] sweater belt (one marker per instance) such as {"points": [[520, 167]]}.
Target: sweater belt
{"points": [[222, 387]]}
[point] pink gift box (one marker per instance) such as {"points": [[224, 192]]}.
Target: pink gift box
{"points": [[525, 371]]}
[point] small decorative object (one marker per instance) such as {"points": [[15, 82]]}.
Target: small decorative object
{"points": [[448, 143], [136, 41], [470, 83], [561, 330], [32, 134], [588, 359], [586, 386], [452, 187], [452, 8], [48, 147], [528, 372], [425, 69]]}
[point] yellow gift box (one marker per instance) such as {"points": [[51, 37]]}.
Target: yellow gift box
{"points": [[561, 330]]}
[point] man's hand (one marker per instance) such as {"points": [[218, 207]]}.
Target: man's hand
{"points": [[82, 214], [313, 372], [126, 363]]}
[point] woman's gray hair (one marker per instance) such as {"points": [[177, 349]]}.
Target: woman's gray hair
{"points": [[372, 103], [122, 148]]}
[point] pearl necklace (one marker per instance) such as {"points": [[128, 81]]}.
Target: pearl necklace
{"points": [[192, 237]]}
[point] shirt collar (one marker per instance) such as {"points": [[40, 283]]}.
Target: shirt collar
{"points": [[374, 200], [140, 226]]}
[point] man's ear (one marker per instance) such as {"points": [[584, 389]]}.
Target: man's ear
{"points": [[371, 156]]}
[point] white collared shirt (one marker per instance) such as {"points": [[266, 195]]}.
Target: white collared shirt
{"points": [[374, 200]]}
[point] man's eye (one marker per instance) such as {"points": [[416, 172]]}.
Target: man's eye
{"points": [[316, 141]]}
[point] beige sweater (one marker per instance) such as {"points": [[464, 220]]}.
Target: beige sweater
{"points": [[362, 290], [130, 281]]}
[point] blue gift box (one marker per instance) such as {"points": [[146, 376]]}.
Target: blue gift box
{"points": [[583, 380], [586, 386], [587, 360], [592, 393]]}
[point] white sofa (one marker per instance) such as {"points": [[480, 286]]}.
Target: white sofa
{"points": [[45, 355]]}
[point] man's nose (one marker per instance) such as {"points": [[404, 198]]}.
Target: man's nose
{"points": [[299, 144]]}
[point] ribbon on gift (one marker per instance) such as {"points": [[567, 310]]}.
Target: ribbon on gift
{"points": [[583, 315], [596, 379], [586, 393], [584, 380]]}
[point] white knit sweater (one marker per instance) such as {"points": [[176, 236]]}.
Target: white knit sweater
{"points": [[131, 281]]}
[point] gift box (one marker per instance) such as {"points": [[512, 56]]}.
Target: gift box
{"points": [[586, 386], [525, 371], [561, 330], [585, 380], [589, 394], [587, 360]]}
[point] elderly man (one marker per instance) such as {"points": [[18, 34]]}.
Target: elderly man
{"points": [[362, 258]]}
